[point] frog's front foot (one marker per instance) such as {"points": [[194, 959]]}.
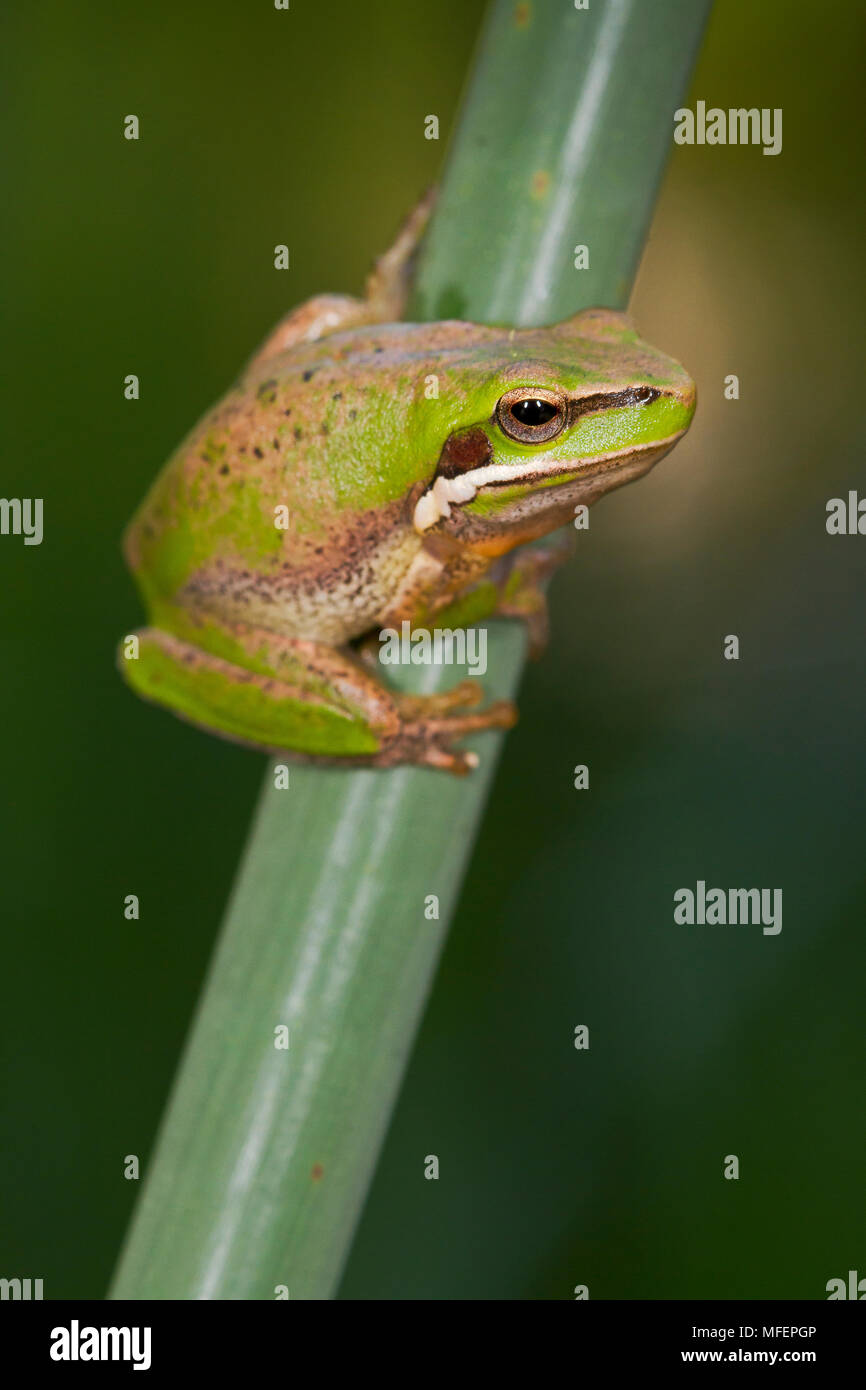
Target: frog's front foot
{"points": [[430, 724], [523, 594], [530, 608]]}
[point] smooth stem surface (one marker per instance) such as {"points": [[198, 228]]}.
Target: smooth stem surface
{"points": [[265, 1154]]}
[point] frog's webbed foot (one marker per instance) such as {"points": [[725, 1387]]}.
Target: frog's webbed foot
{"points": [[430, 724], [523, 594]]}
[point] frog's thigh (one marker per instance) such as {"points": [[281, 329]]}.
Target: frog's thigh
{"points": [[305, 696], [310, 699]]}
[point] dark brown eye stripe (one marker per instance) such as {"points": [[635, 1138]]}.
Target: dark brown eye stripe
{"points": [[610, 400]]}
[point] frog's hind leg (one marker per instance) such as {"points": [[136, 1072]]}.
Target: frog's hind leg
{"points": [[390, 280], [317, 703], [262, 691], [385, 296]]}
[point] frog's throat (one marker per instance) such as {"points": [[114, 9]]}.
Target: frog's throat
{"points": [[446, 493]]}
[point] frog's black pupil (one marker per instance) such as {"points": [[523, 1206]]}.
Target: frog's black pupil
{"points": [[533, 412]]}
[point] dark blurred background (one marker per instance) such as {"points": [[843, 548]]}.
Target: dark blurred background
{"points": [[558, 1167]]}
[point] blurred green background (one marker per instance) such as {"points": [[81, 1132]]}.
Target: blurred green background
{"points": [[558, 1167]]}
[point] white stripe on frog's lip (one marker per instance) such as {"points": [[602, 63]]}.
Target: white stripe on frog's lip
{"points": [[436, 502]]}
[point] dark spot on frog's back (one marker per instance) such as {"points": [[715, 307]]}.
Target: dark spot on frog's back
{"points": [[309, 373], [267, 392], [258, 453], [464, 451]]}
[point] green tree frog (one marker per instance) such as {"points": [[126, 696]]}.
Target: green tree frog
{"points": [[364, 472]]}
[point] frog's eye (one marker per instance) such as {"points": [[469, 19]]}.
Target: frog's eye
{"points": [[531, 416]]}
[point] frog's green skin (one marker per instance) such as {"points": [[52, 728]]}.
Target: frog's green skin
{"points": [[403, 493]]}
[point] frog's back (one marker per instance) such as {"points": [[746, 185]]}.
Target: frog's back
{"points": [[279, 508], [290, 504]]}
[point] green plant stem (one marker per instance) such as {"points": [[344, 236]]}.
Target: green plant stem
{"points": [[265, 1154]]}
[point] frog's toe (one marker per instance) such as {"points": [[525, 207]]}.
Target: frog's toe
{"points": [[502, 714], [420, 708], [457, 761], [429, 740]]}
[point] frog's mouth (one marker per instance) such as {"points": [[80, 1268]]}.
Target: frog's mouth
{"points": [[456, 489]]}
